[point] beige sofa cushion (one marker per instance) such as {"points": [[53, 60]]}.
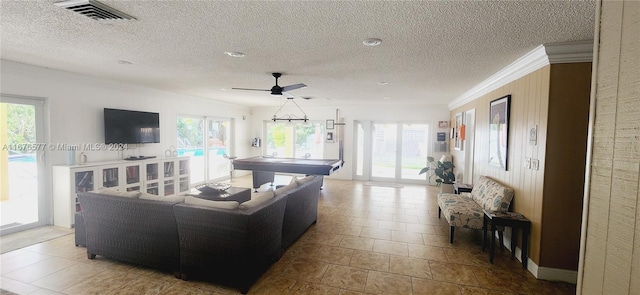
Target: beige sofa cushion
{"points": [[258, 200], [117, 193], [146, 196], [231, 205]]}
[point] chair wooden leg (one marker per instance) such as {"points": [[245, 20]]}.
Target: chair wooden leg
{"points": [[451, 234], [501, 239], [439, 212]]}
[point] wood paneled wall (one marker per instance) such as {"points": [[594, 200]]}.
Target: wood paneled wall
{"points": [[612, 252], [531, 100]]}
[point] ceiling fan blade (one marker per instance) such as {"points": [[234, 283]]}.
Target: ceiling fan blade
{"points": [[294, 87], [252, 89], [287, 94]]}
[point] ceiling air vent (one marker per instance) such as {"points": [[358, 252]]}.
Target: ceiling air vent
{"points": [[94, 10]]}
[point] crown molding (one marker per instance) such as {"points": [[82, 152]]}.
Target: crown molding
{"points": [[543, 55]]}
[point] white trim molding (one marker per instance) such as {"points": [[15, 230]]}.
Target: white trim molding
{"points": [[541, 272], [543, 55]]}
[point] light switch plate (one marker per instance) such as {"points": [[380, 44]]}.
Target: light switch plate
{"points": [[527, 163], [535, 164]]}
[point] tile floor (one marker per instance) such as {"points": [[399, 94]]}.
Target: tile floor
{"points": [[368, 240]]}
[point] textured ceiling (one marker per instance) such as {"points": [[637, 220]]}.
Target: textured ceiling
{"points": [[432, 51]]}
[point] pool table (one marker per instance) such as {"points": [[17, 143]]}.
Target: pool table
{"points": [[264, 168]]}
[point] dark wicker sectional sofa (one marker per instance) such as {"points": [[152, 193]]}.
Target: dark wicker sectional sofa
{"points": [[231, 247]]}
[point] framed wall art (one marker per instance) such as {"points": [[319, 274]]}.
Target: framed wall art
{"points": [[499, 132], [458, 137]]}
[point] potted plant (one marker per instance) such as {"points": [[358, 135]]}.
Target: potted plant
{"points": [[443, 170]]}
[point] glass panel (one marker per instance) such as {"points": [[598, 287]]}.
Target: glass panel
{"points": [[184, 184], [84, 181], [383, 152], [152, 188], [110, 177], [415, 150], [360, 149], [168, 169], [191, 143], [288, 140], [168, 187], [152, 171], [133, 174], [18, 165], [218, 143]]}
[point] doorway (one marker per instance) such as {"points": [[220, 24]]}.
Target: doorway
{"points": [[391, 152], [22, 165]]}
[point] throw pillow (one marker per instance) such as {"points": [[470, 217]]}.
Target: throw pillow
{"points": [[231, 205], [285, 188], [117, 193], [258, 200], [173, 199]]}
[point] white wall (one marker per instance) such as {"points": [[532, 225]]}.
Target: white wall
{"points": [[75, 106], [387, 113]]}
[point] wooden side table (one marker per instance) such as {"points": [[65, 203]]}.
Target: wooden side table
{"points": [[513, 220]]}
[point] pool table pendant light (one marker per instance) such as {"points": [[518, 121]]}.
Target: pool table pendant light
{"points": [[290, 117]]}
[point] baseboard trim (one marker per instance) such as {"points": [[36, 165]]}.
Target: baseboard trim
{"points": [[544, 273]]}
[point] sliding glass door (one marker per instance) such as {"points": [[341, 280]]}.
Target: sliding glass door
{"points": [[22, 168], [206, 141], [299, 140], [393, 152]]}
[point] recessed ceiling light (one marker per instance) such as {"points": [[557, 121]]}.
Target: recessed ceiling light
{"points": [[383, 83], [223, 89], [234, 53], [124, 62], [372, 42], [386, 97]]}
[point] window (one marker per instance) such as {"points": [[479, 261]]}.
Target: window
{"points": [[295, 140]]}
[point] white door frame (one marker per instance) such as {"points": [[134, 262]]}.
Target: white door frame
{"points": [[469, 145], [45, 208]]}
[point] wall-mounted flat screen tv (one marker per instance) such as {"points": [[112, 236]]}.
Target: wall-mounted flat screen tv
{"points": [[124, 126]]}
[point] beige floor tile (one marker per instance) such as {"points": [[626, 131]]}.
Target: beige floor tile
{"points": [[381, 215], [304, 288], [301, 249], [334, 255], [68, 277], [357, 243], [390, 247], [272, 284], [370, 260], [386, 283], [322, 238], [431, 287], [413, 267], [407, 237], [11, 263], [109, 281], [392, 225], [17, 286], [406, 218], [454, 273], [349, 292], [345, 277], [468, 290], [376, 233], [501, 280], [143, 285], [347, 230], [421, 228], [365, 222], [427, 252], [39, 269], [306, 269]]}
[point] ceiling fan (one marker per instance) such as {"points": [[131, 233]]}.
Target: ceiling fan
{"points": [[277, 89]]}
